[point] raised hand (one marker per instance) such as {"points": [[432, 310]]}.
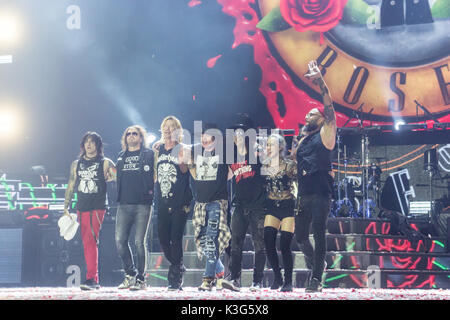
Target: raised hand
{"points": [[313, 71]]}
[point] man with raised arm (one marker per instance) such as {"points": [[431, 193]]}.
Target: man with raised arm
{"points": [[315, 181]]}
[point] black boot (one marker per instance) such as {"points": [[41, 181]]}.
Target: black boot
{"points": [[287, 285], [277, 280], [175, 278], [315, 285]]}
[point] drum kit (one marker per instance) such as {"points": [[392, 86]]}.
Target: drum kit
{"points": [[360, 194], [356, 197]]}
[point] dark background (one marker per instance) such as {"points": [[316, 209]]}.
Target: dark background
{"points": [[131, 62]]}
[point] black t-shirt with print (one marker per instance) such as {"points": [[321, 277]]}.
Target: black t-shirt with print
{"points": [[248, 186], [172, 184], [132, 185], [210, 181], [91, 184]]}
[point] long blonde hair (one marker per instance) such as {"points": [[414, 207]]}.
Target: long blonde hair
{"points": [[142, 133], [178, 126]]}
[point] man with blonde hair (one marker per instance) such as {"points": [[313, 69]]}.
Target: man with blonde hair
{"points": [[135, 195], [173, 197]]}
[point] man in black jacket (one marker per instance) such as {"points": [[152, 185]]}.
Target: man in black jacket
{"points": [[135, 181], [247, 206]]}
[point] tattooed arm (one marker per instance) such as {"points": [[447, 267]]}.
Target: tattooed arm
{"points": [[70, 187], [328, 131], [110, 171]]}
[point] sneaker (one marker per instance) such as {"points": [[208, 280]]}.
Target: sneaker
{"points": [[175, 277], [206, 285], [325, 265], [138, 285], [89, 284], [174, 288], [128, 282], [314, 286], [217, 282], [287, 287], [231, 284], [256, 286]]}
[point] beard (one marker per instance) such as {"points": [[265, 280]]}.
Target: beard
{"points": [[311, 126], [133, 144]]}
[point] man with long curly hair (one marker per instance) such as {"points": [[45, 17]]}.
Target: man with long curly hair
{"points": [[88, 177], [135, 195]]}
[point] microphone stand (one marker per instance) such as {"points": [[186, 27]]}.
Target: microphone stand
{"points": [[425, 111]]}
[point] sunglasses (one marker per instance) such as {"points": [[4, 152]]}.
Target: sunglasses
{"points": [[134, 133]]}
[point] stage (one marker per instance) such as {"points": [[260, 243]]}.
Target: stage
{"points": [[192, 293]]}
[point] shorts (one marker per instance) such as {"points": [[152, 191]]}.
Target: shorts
{"points": [[280, 209]]}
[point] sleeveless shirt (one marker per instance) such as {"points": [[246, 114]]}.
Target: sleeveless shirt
{"points": [[91, 185]]}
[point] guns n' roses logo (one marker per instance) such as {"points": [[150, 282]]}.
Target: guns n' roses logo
{"points": [[376, 55]]}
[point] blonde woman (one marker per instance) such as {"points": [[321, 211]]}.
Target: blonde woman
{"points": [[281, 174], [173, 196]]}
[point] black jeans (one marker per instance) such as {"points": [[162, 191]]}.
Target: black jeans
{"points": [[127, 216], [171, 224], [241, 219], [313, 211]]}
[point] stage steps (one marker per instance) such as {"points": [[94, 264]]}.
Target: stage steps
{"points": [[335, 260], [361, 253], [355, 242], [388, 279]]}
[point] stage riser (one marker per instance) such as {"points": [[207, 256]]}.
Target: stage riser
{"points": [[334, 260], [332, 279], [386, 243], [47, 256], [358, 226], [389, 279], [340, 226], [352, 243]]}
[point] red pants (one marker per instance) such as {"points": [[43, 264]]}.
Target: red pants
{"points": [[91, 222]]}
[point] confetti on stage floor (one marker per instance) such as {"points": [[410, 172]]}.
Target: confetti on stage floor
{"points": [[190, 293]]}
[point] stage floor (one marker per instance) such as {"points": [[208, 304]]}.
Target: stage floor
{"points": [[191, 293]]}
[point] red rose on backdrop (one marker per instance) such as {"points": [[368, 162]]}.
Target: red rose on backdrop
{"points": [[315, 15]]}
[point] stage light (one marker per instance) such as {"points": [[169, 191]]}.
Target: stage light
{"points": [[7, 123], [11, 123], [10, 27], [398, 123]]}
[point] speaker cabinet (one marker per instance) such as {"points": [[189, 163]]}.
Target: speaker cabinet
{"points": [[49, 260]]}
